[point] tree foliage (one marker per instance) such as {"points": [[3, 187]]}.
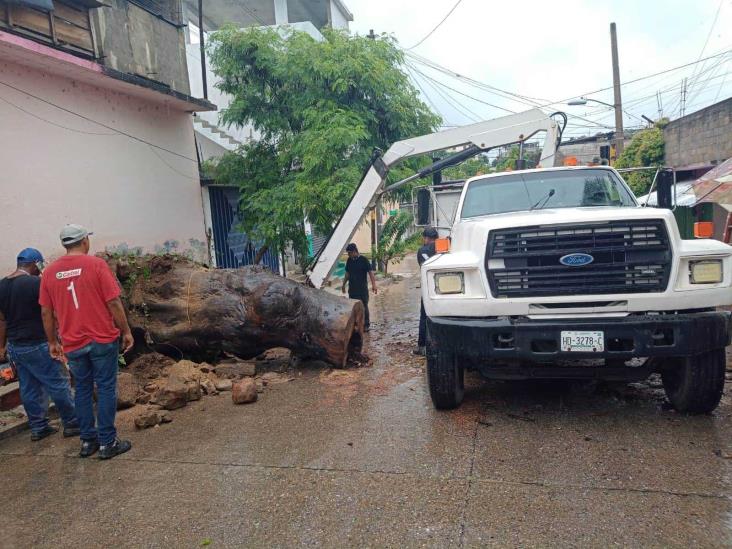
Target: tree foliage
{"points": [[647, 148], [478, 165], [508, 162], [392, 241], [320, 108]]}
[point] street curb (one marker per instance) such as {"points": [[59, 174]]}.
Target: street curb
{"points": [[10, 430]]}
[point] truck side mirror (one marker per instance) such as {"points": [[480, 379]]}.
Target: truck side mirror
{"points": [[423, 208], [664, 189]]}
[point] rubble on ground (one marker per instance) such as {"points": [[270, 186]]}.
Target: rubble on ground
{"points": [[244, 391], [153, 384]]}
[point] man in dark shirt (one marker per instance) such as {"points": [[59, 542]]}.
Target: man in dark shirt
{"points": [[357, 267], [21, 329], [429, 235]]}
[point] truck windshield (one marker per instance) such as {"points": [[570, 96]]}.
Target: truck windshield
{"points": [[547, 189]]}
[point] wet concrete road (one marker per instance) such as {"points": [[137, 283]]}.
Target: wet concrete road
{"points": [[360, 458]]}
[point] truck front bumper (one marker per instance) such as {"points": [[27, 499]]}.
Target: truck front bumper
{"points": [[523, 339]]}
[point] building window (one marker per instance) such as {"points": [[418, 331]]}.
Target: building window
{"points": [[66, 24]]}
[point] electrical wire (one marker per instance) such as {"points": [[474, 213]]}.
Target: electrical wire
{"points": [[427, 97], [51, 122], [131, 136], [451, 101], [709, 34], [449, 13], [443, 85]]}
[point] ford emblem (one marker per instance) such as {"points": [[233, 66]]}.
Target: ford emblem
{"points": [[576, 260]]}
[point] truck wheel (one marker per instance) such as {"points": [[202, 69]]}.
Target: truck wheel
{"points": [[446, 380], [694, 384]]}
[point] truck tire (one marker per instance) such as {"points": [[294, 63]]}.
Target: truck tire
{"points": [[694, 384], [446, 380]]}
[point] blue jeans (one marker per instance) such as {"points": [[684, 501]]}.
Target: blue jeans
{"points": [[41, 376], [96, 363]]}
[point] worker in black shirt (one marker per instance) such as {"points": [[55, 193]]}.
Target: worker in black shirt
{"points": [[357, 267], [429, 235], [21, 330]]}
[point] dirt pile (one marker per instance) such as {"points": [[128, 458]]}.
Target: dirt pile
{"points": [[154, 384]]}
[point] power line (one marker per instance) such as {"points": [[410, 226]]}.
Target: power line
{"points": [[709, 34], [462, 109], [640, 78], [426, 96], [64, 109], [449, 13], [51, 122], [462, 93]]}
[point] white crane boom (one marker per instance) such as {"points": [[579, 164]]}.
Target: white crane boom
{"points": [[506, 130]]}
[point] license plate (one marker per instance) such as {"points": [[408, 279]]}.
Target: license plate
{"points": [[583, 342]]}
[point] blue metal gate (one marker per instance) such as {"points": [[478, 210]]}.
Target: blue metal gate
{"points": [[233, 247]]}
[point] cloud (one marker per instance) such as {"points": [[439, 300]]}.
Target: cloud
{"points": [[554, 50]]}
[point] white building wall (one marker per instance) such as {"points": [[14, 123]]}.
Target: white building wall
{"points": [[338, 19], [58, 168]]}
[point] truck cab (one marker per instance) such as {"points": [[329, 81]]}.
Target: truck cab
{"points": [[559, 273]]}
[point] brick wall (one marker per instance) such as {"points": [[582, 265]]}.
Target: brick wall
{"points": [[700, 138]]}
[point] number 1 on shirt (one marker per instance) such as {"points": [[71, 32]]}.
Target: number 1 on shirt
{"points": [[70, 288]]}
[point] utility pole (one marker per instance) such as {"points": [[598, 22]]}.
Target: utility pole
{"points": [[377, 205], [203, 49], [660, 105], [682, 110], [618, 103]]}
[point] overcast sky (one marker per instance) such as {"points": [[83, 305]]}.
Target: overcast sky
{"points": [[552, 50]]}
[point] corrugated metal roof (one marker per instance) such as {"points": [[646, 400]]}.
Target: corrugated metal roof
{"points": [[714, 186]]}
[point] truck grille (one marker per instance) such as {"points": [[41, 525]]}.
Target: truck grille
{"points": [[628, 257]]}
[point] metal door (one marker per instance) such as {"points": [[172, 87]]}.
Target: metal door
{"points": [[233, 247]]}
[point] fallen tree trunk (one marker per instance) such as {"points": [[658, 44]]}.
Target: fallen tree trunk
{"points": [[244, 312]]}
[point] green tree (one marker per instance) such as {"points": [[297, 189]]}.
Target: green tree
{"points": [[392, 241], [321, 107], [647, 148], [470, 168]]}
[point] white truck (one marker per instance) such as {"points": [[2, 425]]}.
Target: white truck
{"points": [[560, 273]]}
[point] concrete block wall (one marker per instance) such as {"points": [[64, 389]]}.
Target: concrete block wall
{"points": [[700, 138]]}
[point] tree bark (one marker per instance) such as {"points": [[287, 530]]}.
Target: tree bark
{"points": [[244, 312]]}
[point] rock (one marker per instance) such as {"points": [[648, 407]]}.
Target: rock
{"points": [[236, 370], [244, 391], [127, 390], [273, 378], [209, 387], [172, 394], [165, 417], [223, 385], [144, 398], [150, 387], [186, 370], [205, 367], [149, 417], [194, 391]]}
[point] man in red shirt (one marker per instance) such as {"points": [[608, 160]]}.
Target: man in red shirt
{"points": [[80, 295]]}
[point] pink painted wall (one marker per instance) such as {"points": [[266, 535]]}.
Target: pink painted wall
{"points": [[56, 168]]}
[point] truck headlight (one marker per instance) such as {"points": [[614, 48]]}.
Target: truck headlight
{"points": [[708, 271], [450, 283]]}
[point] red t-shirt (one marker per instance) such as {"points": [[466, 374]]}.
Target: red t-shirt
{"points": [[77, 288]]}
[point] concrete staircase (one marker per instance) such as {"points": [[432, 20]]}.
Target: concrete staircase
{"points": [[215, 134]]}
